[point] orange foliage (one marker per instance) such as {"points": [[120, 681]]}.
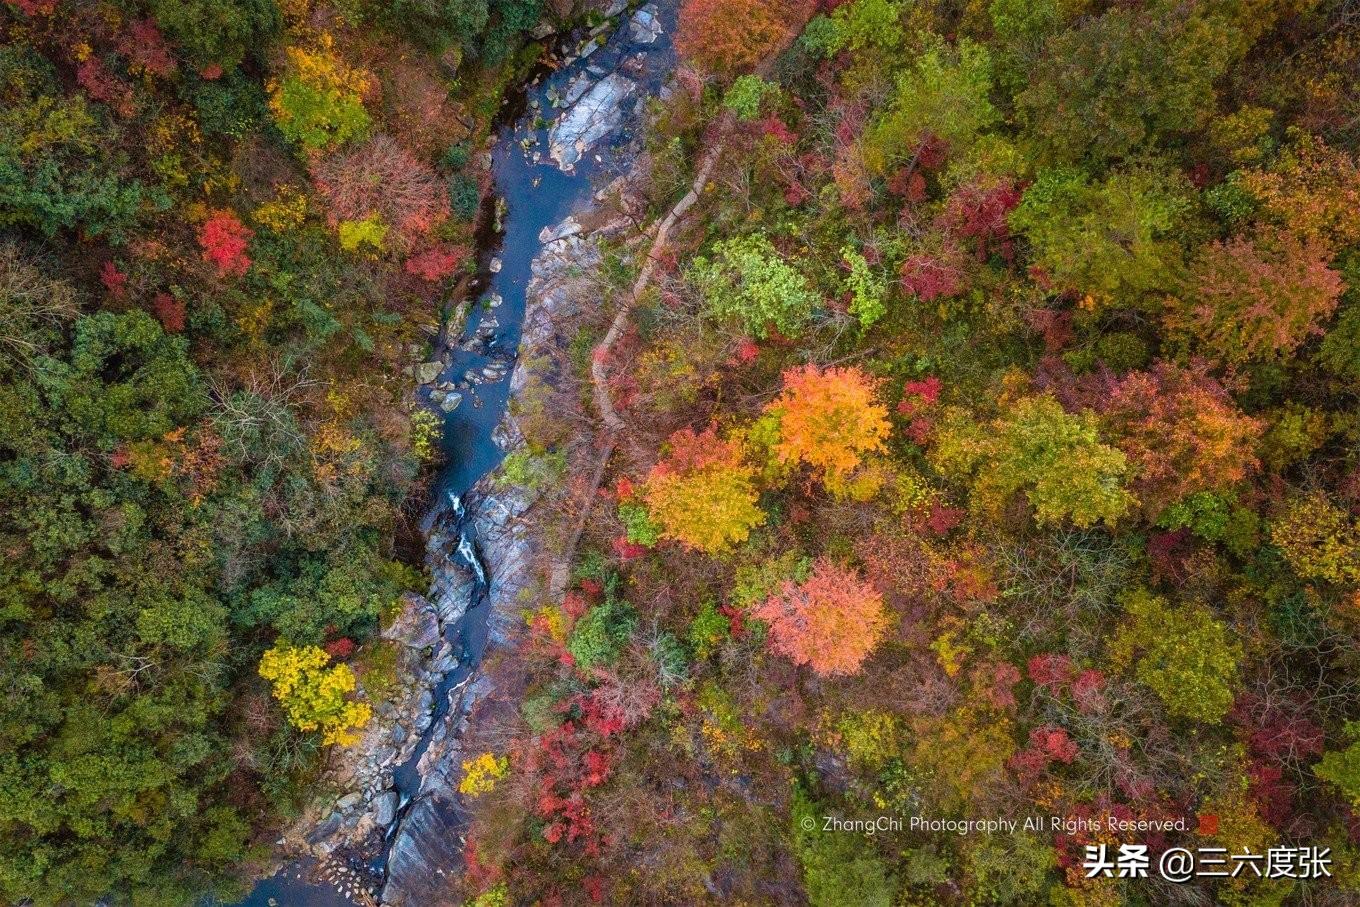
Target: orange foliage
{"points": [[1256, 299], [1312, 188], [1183, 433], [701, 495], [732, 35], [831, 622], [829, 418]]}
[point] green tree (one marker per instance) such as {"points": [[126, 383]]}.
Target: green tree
{"points": [[1111, 241], [1055, 458], [1182, 654], [748, 281]]}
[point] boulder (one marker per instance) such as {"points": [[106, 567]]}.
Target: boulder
{"points": [[645, 26], [385, 808], [428, 372], [598, 113], [416, 626]]}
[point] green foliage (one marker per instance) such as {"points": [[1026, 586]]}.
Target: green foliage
{"points": [[220, 32], [744, 95], [1216, 518], [53, 172], [232, 106], [1342, 767], [867, 288], [1011, 869], [708, 630], [944, 95], [318, 117], [535, 471], [1340, 351], [465, 197], [1319, 540], [1056, 458], [1120, 81], [427, 430], [601, 634], [746, 280], [857, 27], [1112, 241], [838, 869], [637, 526], [1182, 654]]}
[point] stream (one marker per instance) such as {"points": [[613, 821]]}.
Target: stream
{"points": [[558, 138]]}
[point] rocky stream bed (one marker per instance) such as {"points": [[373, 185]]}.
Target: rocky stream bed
{"points": [[564, 164]]}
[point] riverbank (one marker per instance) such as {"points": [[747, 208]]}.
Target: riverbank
{"points": [[391, 832]]}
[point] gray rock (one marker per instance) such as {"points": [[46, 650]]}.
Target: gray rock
{"points": [[450, 402], [348, 801], [416, 626], [568, 227], [428, 372], [645, 26], [596, 115], [425, 850], [385, 808]]}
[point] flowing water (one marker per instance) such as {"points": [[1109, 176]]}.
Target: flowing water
{"points": [[530, 193]]}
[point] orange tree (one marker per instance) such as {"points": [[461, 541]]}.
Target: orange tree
{"points": [[829, 419], [830, 622]]}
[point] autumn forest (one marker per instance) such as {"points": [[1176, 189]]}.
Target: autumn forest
{"points": [[963, 425]]}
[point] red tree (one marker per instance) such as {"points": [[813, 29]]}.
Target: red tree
{"points": [[380, 177], [223, 239]]}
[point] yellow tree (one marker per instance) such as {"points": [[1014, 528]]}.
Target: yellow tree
{"points": [[702, 494], [314, 695]]}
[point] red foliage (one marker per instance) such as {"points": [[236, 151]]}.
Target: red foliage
{"points": [[212, 72], [1051, 673], [1167, 552], [340, 649], [34, 7], [979, 212], [114, 280], [747, 351], [380, 177], [438, 262], [103, 85], [1256, 298], [169, 311], [1088, 691], [146, 48], [929, 278], [996, 682], [223, 239]]}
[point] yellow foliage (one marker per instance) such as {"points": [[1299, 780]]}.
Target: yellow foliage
{"points": [[481, 773], [702, 495], [322, 68], [286, 211], [313, 695]]}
